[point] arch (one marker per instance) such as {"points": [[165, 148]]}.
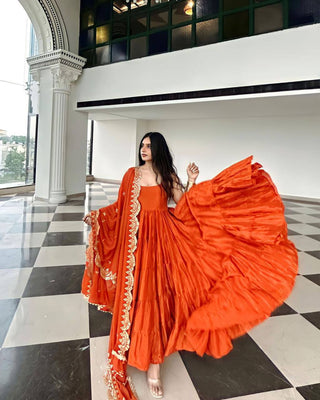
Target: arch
{"points": [[48, 24]]}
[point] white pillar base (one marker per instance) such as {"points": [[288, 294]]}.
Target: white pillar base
{"points": [[58, 197]]}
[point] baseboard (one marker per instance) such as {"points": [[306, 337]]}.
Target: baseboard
{"points": [[71, 196], [114, 181], [89, 178], [17, 189], [300, 199]]}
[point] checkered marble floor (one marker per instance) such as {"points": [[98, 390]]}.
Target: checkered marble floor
{"points": [[53, 344]]}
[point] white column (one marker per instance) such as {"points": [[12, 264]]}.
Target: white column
{"points": [[55, 72], [62, 78]]}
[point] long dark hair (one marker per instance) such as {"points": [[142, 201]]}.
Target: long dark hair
{"points": [[162, 161]]}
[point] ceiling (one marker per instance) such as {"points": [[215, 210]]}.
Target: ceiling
{"points": [[273, 104]]}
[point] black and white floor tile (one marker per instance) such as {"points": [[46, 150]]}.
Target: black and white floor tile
{"points": [[53, 344]]}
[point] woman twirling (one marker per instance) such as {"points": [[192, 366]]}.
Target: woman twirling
{"points": [[192, 278]]}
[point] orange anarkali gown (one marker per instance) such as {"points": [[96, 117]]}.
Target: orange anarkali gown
{"points": [[194, 277]]}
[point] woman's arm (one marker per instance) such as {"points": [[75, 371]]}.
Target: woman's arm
{"points": [[177, 192]]}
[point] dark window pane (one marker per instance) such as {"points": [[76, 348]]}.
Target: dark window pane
{"points": [[86, 38], [103, 13], [138, 47], [236, 25], [232, 4], [269, 18], [89, 55], [102, 34], [207, 7], [304, 12], [157, 2], [180, 12], [158, 42], [159, 19], [119, 51], [120, 7], [103, 55], [119, 28], [87, 3], [138, 24], [181, 38], [87, 19], [208, 32]]}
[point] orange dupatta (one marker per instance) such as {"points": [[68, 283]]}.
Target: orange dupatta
{"points": [[108, 279]]}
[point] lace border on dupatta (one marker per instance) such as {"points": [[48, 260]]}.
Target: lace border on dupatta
{"points": [[124, 341]]}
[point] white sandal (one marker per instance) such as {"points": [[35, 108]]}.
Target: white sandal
{"points": [[152, 383]]}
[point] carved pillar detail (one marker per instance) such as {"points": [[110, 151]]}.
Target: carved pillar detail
{"points": [[65, 68]]}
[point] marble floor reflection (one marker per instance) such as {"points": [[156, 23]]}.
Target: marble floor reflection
{"points": [[53, 344]]}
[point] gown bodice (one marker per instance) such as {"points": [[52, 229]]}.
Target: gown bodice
{"points": [[153, 198]]}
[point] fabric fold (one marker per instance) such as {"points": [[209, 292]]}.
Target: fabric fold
{"points": [[191, 278]]}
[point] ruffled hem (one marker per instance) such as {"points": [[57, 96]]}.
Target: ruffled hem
{"points": [[239, 215]]}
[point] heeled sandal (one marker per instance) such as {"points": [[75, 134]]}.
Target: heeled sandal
{"points": [[155, 382]]}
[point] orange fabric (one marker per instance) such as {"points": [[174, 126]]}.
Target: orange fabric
{"points": [[105, 280], [210, 269]]}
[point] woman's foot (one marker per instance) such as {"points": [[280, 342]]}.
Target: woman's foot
{"points": [[154, 381]]}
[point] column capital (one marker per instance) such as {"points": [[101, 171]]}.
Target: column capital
{"points": [[64, 65], [63, 76]]}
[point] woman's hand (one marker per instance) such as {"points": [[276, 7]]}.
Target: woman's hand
{"points": [[87, 219], [193, 172]]}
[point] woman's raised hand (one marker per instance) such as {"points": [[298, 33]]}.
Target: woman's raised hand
{"points": [[87, 219], [193, 172]]}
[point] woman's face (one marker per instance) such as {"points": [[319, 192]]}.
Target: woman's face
{"points": [[145, 149]]}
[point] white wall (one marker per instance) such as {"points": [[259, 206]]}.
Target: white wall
{"points": [[288, 148], [114, 148], [283, 56], [70, 11], [76, 149]]}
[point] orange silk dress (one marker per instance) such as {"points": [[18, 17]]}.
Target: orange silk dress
{"points": [[210, 269]]}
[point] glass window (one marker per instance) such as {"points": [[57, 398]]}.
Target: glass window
{"points": [[102, 34], [232, 4], [269, 18], [87, 3], [87, 19], [158, 42], [138, 47], [31, 149], [87, 38], [103, 55], [207, 31], [157, 2], [207, 7], [138, 24], [90, 56], [181, 12], [147, 24], [119, 51], [119, 28], [120, 7], [181, 37], [303, 12], [138, 4], [159, 19], [103, 13], [89, 146], [236, 25]]}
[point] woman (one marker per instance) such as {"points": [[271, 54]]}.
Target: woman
{"points": [[194, 277]]}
